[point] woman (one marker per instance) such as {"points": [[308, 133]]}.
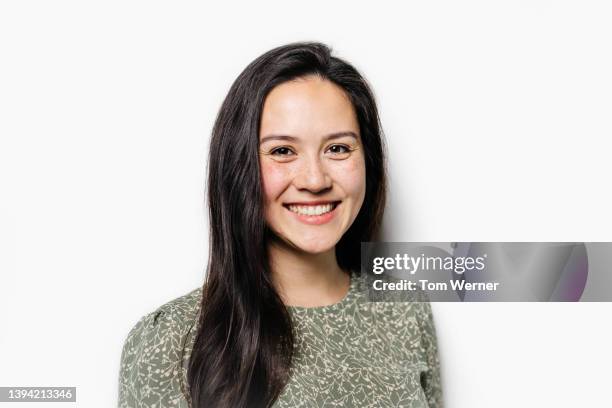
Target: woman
{"points": [[296, 181]]}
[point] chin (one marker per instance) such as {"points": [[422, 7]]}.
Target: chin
{"points": [[316, 250], [314, 247]]}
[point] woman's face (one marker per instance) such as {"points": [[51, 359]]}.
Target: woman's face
{"points": [[312, 163]]}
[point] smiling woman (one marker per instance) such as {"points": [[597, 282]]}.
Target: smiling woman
{"points": [[313, 170], [296, 181]]}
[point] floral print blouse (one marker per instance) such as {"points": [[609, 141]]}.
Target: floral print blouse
{"points": [[355, 353]]}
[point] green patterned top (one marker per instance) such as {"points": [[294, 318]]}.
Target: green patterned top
{"points": [[355, 353]]}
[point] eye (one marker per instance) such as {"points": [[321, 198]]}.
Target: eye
{"points": [[282, 151], [339, 149]]}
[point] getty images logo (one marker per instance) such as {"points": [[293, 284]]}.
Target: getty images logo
{"points": [[414, 264]]}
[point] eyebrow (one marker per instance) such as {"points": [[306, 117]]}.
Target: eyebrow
{"points": [[293, 138]]}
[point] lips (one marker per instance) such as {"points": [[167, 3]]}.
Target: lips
{"points": [[313, 213], [320, 202]]}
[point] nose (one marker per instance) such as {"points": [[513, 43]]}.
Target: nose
{"points": [[313, 176]]}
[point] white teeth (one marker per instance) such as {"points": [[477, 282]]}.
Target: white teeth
{"points": [[311, 209]]}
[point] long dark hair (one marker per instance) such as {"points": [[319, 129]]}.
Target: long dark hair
{"points": [[244, 342]]}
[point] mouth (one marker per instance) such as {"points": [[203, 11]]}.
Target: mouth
{"points": [[314, 209]]}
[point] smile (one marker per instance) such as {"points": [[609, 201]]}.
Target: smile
{"points": [[316, 213], [312, 209]]}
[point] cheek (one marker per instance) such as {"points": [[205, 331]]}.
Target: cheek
{"points": [[352, 177], [275, 180]]}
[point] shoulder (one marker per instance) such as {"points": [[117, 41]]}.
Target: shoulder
{"points": [[399, 309], [153, 354], [169, 319]]}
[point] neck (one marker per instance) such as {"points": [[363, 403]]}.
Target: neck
{"points": [[305, 279]]}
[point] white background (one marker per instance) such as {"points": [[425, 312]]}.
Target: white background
{"points": [[497, 116]]}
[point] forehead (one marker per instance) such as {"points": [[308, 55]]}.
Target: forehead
{"points": [[309, 105]]}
